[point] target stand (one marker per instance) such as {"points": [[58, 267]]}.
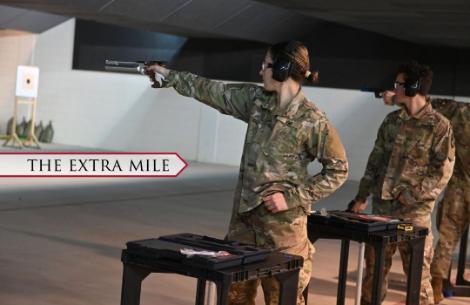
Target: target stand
{"points": [[27, 79]]}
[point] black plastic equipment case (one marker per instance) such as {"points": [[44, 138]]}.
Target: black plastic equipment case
{"points": [[169, 247], [319, 227], [141, 258], [355, 221]]}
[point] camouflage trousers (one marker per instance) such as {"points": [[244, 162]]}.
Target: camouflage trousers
{"points": [[426, 294], [285, 231], [452, 219]]}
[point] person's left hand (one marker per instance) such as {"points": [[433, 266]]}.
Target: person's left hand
{"points": [[275, 203], [388, 97]]}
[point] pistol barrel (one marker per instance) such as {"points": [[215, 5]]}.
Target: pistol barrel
{"points": [[124, 66]]}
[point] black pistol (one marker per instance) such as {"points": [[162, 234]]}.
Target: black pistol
{"points": [[378, 92]]}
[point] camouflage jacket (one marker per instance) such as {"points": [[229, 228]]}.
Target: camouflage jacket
{"points": [[279, 144], [411, 155], [458, 114]]}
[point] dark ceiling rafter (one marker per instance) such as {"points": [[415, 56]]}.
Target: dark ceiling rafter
{"points": [[431, 22]]}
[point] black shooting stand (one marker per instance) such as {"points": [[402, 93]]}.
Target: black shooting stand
{"points": [[163, 256], [330, 228]]}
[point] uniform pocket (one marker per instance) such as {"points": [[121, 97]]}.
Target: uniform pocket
{"points": [[287, 216], [285, 234], [415, 149], [252, 130], [284, 138]]}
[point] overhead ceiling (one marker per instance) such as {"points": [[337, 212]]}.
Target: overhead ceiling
{"points": [[28, 20], [432, 22]]}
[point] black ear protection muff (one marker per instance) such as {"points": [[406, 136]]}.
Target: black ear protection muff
{"points": [[282, 68], [412, 86], [283, 65]]}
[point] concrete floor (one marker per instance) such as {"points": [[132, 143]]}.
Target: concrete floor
{"points": [[61, 239]]}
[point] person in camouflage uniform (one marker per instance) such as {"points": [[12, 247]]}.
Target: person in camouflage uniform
{"points": [[285, 133], [409, 166], [454, 210]]}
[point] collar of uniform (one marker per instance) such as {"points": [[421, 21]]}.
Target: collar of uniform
{"points": [[292, 106], [424, 111], [268, 102], [421, 113]]}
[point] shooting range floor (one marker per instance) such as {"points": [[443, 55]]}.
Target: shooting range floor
{"points": [[61, 239]]}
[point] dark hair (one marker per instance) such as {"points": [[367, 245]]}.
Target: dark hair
{"points": [[297, 53], [414, 72]]}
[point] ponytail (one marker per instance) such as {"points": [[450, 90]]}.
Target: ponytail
{"points": [[311, 77]]}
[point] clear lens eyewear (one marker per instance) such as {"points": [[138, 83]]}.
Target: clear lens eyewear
{"points": [[266, 65], [398, 84]]}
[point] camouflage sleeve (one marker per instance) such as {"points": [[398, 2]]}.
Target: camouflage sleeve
{"points": [[376, 158], [325, 144], [438, 103], [446, 107], [439, 170], [231, 99]]}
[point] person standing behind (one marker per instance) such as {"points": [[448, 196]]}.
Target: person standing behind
{"points": [[409, 166], [454, 210], [285, 133]]}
